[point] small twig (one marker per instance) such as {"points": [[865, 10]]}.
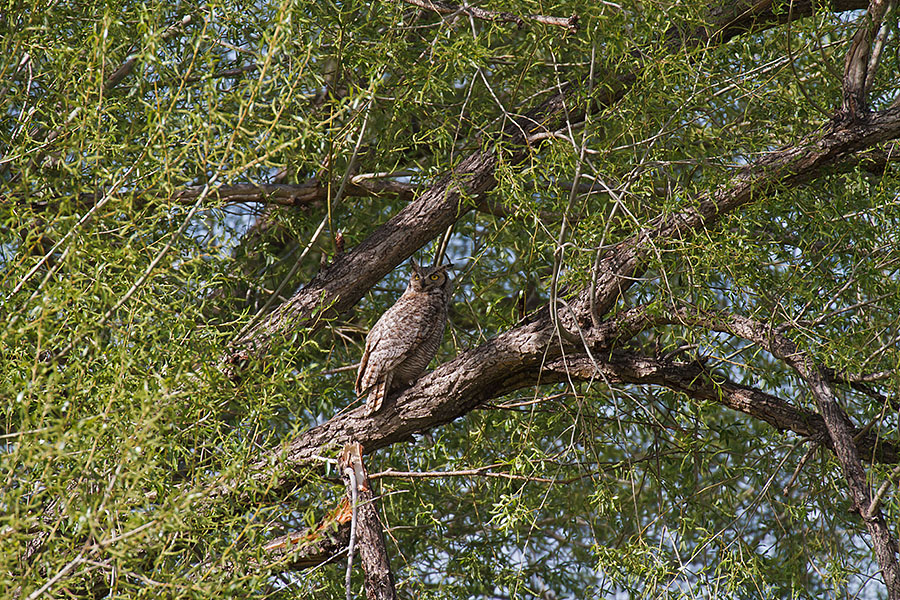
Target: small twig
{"points": [[59, 575], [533, 401], [805, 459], [147, 272], [337, 370], [879, 495]]}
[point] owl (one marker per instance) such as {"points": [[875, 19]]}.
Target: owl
{"points": [[406, 337]]}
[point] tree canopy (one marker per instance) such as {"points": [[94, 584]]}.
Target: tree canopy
{"points": [[672, 361]]}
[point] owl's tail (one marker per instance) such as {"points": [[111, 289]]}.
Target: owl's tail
{"points": [[376, 395]]}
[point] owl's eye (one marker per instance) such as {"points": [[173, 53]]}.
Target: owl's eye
{"points": [[416, 277], [435, 277]]}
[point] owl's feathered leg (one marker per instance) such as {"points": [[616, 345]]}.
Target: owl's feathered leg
{"points": [[377, 394]]}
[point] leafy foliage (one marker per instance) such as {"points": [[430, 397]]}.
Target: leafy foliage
{"points": [[122, 291]]}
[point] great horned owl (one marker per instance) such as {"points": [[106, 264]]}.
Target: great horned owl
{"points": [[406, 337]]}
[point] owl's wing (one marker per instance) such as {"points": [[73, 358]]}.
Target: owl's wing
{"points": [[388, 344], [363, 365]]}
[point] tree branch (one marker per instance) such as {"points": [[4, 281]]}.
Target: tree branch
{"points": [[859, 70], [696, 381], [524, 357], [372, 551], [840, 429], [340, 285], [569, 23], [791, 166], [346, 280], [309, 193]]}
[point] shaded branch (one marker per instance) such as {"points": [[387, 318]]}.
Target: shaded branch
{"points": [[302, 194]]}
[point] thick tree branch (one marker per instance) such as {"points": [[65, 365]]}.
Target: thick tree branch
{"points": [[518, 358], [526, 356], [343, 283], [510, 360]]}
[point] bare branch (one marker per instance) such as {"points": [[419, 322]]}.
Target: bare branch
{"points": [[311, 192], [568, 23], [861, 60], [727, 20], [372, 551]]}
